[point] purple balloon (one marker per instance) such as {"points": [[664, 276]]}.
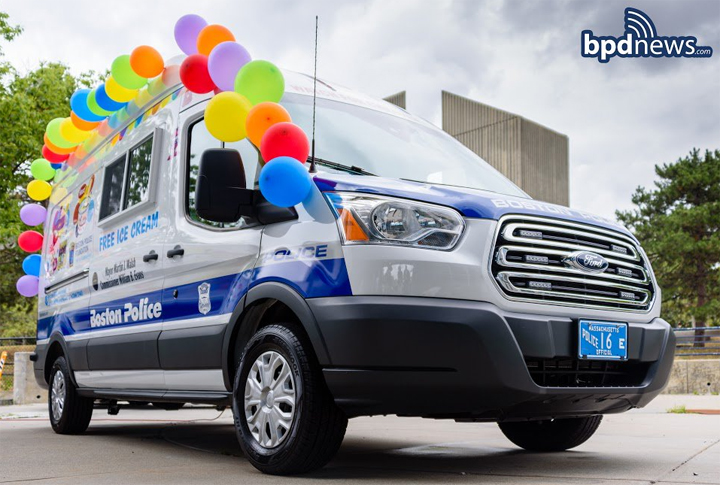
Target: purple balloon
{"points": [[28, 285], [33, 214], [187, 29], [224, 62]]}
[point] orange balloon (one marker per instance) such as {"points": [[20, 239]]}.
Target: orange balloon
{"points": [[261, 117], [57, 149], [81, 124], [212, 35], [146, 61]]}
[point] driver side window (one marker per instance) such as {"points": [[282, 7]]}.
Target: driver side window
{"points": [[199, 139]]}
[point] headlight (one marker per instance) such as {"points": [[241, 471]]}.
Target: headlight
{"points": [[371, 219]]}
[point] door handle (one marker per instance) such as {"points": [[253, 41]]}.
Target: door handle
{"points": [[152, 256], [176, 251]]}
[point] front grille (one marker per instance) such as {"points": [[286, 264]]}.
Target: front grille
{"points": [[586, 373], [530, 264]]}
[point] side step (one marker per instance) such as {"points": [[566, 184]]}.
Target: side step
{"points": [[194, 397]]}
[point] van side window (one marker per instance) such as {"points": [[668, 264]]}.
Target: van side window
{"points": [[113, 181], [199, 140], [138, 174]]}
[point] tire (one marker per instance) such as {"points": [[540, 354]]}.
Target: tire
{"points": [[168, 406], [307, 433], [551, 434], [69, 412]]}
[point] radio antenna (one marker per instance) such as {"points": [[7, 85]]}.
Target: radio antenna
{"points": [[313, 169]]}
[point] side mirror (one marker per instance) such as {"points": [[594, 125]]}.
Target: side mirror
{"points": [[221, 194]]}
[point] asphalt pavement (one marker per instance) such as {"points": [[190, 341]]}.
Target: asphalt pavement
{"points": [[198, 445]]}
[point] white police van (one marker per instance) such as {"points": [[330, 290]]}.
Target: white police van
{"points": [[415, 280]]}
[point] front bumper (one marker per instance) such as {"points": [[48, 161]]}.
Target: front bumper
{"points": [[470, 360]]}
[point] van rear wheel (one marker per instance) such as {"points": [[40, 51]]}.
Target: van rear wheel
{"points": [[285, 417], [69, 412], [551, 434]]}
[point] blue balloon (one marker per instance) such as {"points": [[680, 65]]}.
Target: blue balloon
{"points": [[31, 265], [79, 106], [56, 166], [104, 101], [285, 182]]}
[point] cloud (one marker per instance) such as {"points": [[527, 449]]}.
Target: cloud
{"points": [[622, 117]]}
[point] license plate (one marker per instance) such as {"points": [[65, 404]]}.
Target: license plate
{"points": [[602, 340]]}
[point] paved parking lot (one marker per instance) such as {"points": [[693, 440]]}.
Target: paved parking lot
{"points": [[198, 445]]}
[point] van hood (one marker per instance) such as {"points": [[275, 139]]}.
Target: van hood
{"points": [[471, 203]]}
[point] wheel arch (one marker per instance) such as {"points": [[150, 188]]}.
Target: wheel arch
{"points": [[268, 299], [57, 347]]}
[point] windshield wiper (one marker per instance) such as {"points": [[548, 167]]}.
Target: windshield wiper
{"points": [[340, 166]]}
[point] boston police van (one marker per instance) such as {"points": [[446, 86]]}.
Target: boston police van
{"points": [[415, 280]]}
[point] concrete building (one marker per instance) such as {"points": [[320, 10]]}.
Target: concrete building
{"points": [[533, 156]]}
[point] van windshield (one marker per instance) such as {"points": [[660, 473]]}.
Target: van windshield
{"points": [[393, 146]]}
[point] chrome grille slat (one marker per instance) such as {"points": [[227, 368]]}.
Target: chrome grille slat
{"points": [[530, 267]]}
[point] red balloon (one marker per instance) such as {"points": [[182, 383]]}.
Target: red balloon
{"points": [[194, 74], [30, 241], [285, 139], [53, 157]]}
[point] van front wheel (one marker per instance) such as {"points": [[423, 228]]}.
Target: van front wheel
{"points": [[551, 434], [286, 419], [70, 413]]}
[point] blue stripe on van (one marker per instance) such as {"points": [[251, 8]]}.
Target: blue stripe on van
{"points": [[311, 279]]}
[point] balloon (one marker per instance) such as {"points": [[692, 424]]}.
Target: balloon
{"points": [[225, 116], [42, 170], [30, 241], [261, 117], [78, 103], [224, 62], [143, 97], [123, 73], [81, 124], [194, 74], [285, 140], [28, 285], [54, 135], [187, 29], [94, 106], [106, 102], [31, 265], [72, 133], [212, 35], [56, 166], [52, 156], [39, 190], [118, 93], [260, 81], [147, 62], [155, 86], [33, 214], [57, 149], [171, 76], [284, 182]]}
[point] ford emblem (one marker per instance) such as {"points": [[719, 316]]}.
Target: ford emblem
{"points": [[586, 261]]}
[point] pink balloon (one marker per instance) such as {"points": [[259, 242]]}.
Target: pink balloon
{"points": [[187, 29], [33, 214], [224, 62], [28, 285]]}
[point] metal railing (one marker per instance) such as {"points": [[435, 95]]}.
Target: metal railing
{"points": [[697, 341], [12, 345]]}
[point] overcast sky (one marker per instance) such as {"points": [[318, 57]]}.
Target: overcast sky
{"points": [[521, 56]]}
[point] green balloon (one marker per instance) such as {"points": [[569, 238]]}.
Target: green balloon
{"points": [[123, 74], [42, 170], [53, 133], [260, 81], [94, 107]]}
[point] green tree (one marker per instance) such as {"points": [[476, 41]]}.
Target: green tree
{"points": [[678, 224], [28, 101]]}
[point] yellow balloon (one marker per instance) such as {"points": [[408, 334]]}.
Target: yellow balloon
{"points": [[72, 133], [39, 190], [225, 116], [58, 194], [117, 92], [143, 97]]}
